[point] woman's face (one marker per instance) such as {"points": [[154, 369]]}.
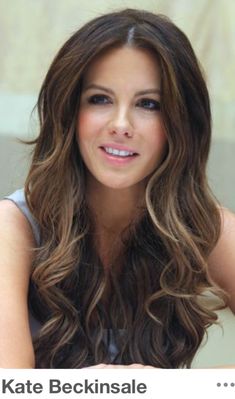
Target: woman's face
{"points": [[119, 128]]}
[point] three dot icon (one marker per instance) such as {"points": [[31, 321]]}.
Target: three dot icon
{"points": [[225, 384]]}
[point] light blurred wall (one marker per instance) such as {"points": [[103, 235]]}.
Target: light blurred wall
{"points": [[31, 31]]}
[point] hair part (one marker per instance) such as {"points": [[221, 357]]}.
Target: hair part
{"points": [[130, 36]]}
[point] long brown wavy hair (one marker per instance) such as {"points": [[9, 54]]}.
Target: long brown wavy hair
{"points": [[155, 314]]}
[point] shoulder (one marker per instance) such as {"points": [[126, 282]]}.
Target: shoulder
{"points": [[222, 257], [16, 242], [14, 222]]}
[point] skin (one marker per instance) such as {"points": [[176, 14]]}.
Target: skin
{"points": [[118, 191], [120, 105]]}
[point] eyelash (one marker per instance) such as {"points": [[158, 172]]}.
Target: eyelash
{"points": [[99, 99], [155, 105]]}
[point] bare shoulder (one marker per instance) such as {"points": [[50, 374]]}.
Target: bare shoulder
{"points": [[14, 227], [228, 220], [10, 213], [15, 231], [16, 243], [222, 257]]}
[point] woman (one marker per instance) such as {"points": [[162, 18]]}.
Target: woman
{"points": [[122, 236]]}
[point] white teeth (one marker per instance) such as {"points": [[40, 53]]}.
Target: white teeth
{"points": [[120, 153]]}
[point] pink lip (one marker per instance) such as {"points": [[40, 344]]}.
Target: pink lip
{"points": [[118, 147], [114, 160]]}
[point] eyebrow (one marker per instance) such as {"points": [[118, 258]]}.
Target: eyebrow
{"points": [[107, 90]]}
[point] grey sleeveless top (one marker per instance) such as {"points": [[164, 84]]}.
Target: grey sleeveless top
{"points": [[18, 198]]}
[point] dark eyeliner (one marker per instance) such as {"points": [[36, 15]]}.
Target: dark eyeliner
{"points": [[98, 99], [144, 102]]}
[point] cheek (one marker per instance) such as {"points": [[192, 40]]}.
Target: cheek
{"points": [[158, 146], [84, 122], [158, 138], [89, 124], [161, 140]]}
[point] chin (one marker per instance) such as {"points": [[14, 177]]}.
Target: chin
{"points": [[114, 182], [123, 183], [117, 185]]}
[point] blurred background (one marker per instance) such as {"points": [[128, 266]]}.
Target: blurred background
{"points": [[32, 31]]}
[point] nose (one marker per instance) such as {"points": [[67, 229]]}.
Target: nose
{"points": [[120, 124]]}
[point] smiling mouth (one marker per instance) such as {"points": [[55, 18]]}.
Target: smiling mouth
{"points": [[118, 153]]}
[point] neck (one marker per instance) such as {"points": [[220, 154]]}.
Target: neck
{"points": [[114, 209]]}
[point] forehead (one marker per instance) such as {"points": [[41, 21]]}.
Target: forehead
{"points": [[124, 64]]}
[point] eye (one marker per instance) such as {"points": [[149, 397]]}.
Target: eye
{"points": [[99, 99], [149, 104]]}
